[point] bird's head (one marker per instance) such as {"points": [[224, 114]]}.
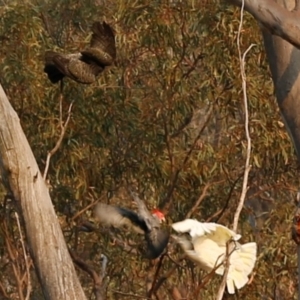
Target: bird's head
{"points": [[159, 215]]}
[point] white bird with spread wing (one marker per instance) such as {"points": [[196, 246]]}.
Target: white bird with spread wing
{"points": [[207, 247]]}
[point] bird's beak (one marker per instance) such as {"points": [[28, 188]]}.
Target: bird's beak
{"points": [[163, 219]]}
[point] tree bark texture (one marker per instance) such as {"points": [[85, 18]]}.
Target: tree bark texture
{"points": [[280, 21], [22, 177]]}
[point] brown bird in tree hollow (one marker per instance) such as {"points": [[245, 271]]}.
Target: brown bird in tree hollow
{"points": [[84, 67], [142, 222]]}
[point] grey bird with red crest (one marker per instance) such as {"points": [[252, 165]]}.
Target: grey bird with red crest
{"points": [[142, 222]]}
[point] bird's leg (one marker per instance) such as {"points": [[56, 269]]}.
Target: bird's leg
{"points": [[61, 86]]}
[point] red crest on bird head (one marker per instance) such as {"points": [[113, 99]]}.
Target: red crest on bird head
{"points": [[158, 214]]}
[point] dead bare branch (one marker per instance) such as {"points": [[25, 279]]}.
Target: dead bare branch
{"points": [[63, 127], [248, 154]]}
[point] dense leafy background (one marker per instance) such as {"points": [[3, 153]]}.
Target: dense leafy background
{"points": [[168, 118]]}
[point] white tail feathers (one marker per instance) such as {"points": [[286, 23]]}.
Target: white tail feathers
{"points": [[242, 262], [207, 247]]}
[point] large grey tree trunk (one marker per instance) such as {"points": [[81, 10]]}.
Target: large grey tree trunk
{"points": [[280, 22], [284, 61], [22, 178]]}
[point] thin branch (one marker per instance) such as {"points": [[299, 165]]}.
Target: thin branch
{"points": [[149, 293], [62, 134], [167, 201], [79, 213], [248, 153], [25, 259], [3, 292], [229, 249], [176, 295], [129, 295], [200, 199], [99, 287], [227, 200], [167, 275], [13, 255]]}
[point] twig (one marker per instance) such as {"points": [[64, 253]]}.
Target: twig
{"points": [[248, 152], [200, 199], [167, 275], [79, 213], [99, 288], [62, 134], [149, 293], [3, 292], [167, 201], [13, 255], [227, 200], [208, 277], [229, 249], [25, 259], [129, 295], [176, 295]]}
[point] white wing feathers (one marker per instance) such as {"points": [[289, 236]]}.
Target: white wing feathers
{"points": [[207, 247], [196, 229], [193, 227]]}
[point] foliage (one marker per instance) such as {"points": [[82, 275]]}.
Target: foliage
{"points": [[147, 122]]}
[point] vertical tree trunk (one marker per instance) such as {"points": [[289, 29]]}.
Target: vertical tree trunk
{"points": [[284, 60], [22, 177]]}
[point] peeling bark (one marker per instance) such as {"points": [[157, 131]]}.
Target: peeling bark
{"points": [[23, 179]]}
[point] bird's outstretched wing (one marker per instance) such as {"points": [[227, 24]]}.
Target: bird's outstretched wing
{"points": [[221, 235], [217, 232], [84, 67], [144, 213], [58, 65], [118, 217], [102, 49], [194, 228]]}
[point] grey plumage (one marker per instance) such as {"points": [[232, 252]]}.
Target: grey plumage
{"points": [[84, 67], [142, 222]]}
